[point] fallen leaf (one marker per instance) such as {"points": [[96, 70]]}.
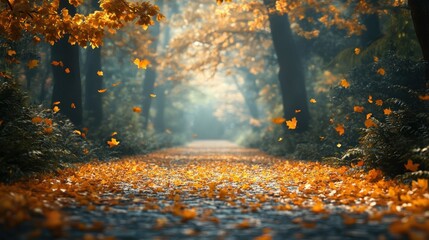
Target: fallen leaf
{"points": [[387, 111], [11, 52], [411, 166]]}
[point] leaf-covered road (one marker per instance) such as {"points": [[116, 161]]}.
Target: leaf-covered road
{"points": [[213, 190]]}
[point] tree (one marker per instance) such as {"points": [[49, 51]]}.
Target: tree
{"points": [[420, 14], [67, 83], [93, 82], [291, 75]]}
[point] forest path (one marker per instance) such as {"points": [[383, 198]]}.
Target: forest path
{"points": [[209, 190]]}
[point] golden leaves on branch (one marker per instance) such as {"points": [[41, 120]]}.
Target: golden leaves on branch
{"points": [[42, 18]]}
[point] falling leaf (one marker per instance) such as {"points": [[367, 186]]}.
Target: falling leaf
{"points": [[381, 71], [57, 63], [56, 103], [387, 111], [85, 151], [318, 207], [141, 63], [102, 90], [137, 109], [357, 51], [278, 120], [347, 220], [145, 27], [113, 142], [115, 84], [56, 109], [11, 52], [54, 220], [411, 166], [344, 83], [376, 59], [313, 100], [340, 129], [244, 224], [379, 102], [77, 132], [279, 139], [72, 105], [100, 73], [297, 110], [291, 124], [152, 95], [48, 121], [338, 145], [67, 70], [370, 99], [358, 109], [32, 64]]}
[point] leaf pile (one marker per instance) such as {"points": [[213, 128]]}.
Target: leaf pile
{"points": [[243, 178]]}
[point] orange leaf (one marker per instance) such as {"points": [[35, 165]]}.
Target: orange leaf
{"points": [[11, 52], [318, 207], [113, 134], [411, 166], [278, 120], [344, 83], [47, 130], [77, 132], [370, 99], [297, 110], [115, 84], [56, 103], [379, 102], [376, 59], [387, 111], [358, 109], [424, 97], [72, 105], [56, 109], [152, 95], [32, 64], [369, 123], [67, 70], [57, 63], [102, 90], [291, 124], [244, 224], [357, 51], [381, 71], [137, 109], [141, 63], [36, 120], [113, 142], [313, 100], [48, 121], [100, 73], [340, 129]]}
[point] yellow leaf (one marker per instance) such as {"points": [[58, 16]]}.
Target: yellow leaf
{"points": [[113, 142], [291, 124], [152, 95], [102, 90], [357, 51], [278, 120], [100, 73], [56, 109], [411, 166], [77, 132], [313, 100], [32, 64], [340, 129], [344, 83], [113, 134], [141, 63], [11, 52]]}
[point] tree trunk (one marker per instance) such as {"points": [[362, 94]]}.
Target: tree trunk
{"points": [[93, 82], [420, 14], [291, 75], [373, 31], [159, 123], [67, 86]]}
